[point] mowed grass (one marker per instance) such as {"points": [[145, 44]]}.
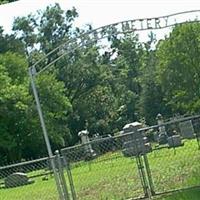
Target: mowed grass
{"points": [[192, 194], [114, 177], [40, 190], [173, 169]]}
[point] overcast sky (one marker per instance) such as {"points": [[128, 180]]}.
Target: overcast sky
{"points": [[99, 12]]}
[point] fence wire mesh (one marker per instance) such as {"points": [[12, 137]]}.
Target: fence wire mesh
{"points": [[28, 180], [175, 165], [100, 170]]}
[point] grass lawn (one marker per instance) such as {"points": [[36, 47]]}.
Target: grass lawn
{"points": [[114, 177], [193, 194], [40, 190]]}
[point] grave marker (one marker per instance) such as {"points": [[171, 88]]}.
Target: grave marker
{"points": [[17, 179], [187, 130]]}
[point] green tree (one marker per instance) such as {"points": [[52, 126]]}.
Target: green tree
{"points": [[6, 1], [13, 104], [125, 68], [46, 30], [21, 135], [87, 80], [82, 72], [178, 68], [151, 101], [56, 107], [10, 43]]}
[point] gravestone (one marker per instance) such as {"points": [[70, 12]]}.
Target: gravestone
{"points": [[134, 141], [89, 152], [187, 130], [17, 179], [136, 147], [131, 131], [134, 126], [174, 141], [162, 136]]}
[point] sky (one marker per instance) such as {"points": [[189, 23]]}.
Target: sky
{"points": [[99, 12]]}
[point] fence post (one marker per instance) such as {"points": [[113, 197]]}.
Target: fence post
{"points": [[198, 142], [56, 177], [141, 171], [62, 177], [70, 178], [32, 72], [149, 175]]}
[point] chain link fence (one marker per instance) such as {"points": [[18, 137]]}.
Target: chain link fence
{"points": [[28, 180], [138, 163], [175, 165]]}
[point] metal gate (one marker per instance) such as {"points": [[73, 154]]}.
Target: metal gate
{"points": [[100, 170]]}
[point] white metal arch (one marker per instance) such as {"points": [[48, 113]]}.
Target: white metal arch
{"points": [[117, 28]]}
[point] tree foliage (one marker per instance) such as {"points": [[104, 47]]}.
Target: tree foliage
{"points": [[6, 1], [178, 68]]}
